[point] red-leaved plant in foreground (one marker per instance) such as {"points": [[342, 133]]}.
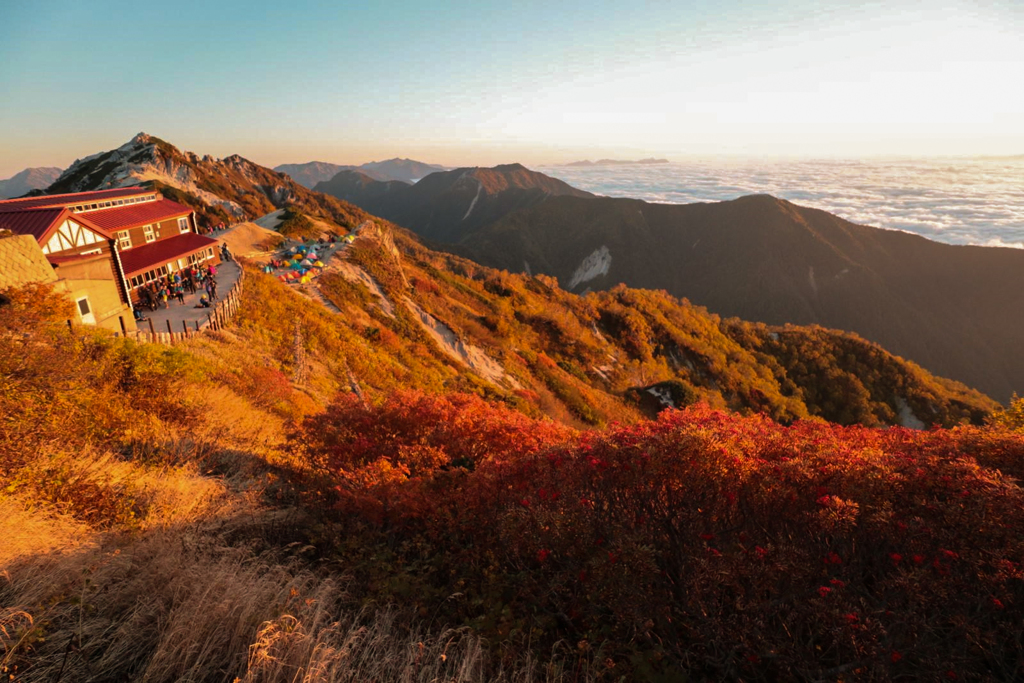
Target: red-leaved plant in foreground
{"points": [[721, 545]]}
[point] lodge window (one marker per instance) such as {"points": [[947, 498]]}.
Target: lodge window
{"points": [[91, 252], [124, 239], [83, 306], [183, 225], [147, 230]]}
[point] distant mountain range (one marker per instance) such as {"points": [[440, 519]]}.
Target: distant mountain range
{"points": [[599, 358], [405, 170], [311, 173], [617, 162], [28, 180], [349, 185], [956, 310]]}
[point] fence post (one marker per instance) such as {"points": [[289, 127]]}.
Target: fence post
{"points": [[169, 330]]}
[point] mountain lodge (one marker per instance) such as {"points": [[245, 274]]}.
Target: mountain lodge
{"points": [[101, 247]]}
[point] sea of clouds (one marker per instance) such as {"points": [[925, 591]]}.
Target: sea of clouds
{"points": [[959, 201]]}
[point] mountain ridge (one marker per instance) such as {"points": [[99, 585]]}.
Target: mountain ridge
{"points": [[221, 190], [448, 205], [608, 356], [759, 258], [23, 182], [756, 257], [351, 185], [406, 170]]}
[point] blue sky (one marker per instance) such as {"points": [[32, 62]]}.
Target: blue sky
{"points": [[488, 82]]}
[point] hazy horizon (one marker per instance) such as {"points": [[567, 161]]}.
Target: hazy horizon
{"points": [[541, 162], [486, 83]]}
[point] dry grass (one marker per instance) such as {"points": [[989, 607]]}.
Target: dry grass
{"points": [[103, 489], [172, 559], [372, 646], [181, 605], [146, 532], [32, 532]]}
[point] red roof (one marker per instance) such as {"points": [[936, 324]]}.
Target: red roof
{"points": [[40, 223], [72, 199], [134, 215], [35, 222], [141, 259]]}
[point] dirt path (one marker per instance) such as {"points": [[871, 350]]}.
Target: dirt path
{"points": [[312, 290], [271, 221]]}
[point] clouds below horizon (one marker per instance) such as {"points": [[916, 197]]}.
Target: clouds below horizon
{"points": [[957, 201]]}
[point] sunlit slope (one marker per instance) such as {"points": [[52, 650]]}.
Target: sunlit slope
{"points": [[412, 317], [953, 309]]}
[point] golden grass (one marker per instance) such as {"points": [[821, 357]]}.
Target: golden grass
{"points": [[143, 537], [33, 532], [181, 605]]}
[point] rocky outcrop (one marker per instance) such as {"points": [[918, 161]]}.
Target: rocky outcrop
{"points": [[235, 185]]}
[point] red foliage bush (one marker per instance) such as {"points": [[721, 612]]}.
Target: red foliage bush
{"points": [[725, 546], [424, 286], [267, 387], [374, 450]]}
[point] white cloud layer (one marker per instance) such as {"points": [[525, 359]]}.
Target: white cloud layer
{"points": [[958, 201]]}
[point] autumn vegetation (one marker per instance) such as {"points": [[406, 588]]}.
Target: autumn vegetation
{"points": [[722, 546], [194, 513]]}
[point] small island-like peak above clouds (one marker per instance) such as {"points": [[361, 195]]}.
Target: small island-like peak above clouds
{"points": [[617, 162]]}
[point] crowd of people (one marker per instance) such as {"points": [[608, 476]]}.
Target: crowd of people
{"points": [[161, 292]]}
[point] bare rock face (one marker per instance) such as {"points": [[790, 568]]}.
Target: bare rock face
{"points": [[233, 186]]}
